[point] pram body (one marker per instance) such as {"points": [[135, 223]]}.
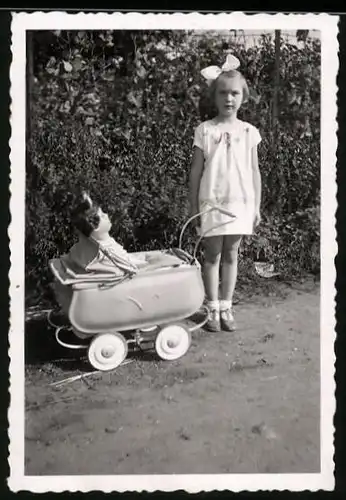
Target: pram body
{"points": [[149, 306]]}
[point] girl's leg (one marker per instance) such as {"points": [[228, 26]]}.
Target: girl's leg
{"points": [[229, 278], [212, 255]]}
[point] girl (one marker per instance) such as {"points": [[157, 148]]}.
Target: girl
{"points": [[225, 174]]}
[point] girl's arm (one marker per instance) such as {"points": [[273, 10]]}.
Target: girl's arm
{"points": [[257, 184], [195, 178]]}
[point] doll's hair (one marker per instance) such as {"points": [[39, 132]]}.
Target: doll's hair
{"points": [[85, 216], [207, 104]]}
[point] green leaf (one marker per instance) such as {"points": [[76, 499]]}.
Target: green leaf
{"points": [[77, 64], [67, 66], [141, 72], [133, 100]]}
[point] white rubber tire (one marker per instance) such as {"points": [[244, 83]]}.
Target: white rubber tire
{"points": [[107, 351], [172, 342]]}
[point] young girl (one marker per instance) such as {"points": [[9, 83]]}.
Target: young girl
{"points": [[225, 174]]}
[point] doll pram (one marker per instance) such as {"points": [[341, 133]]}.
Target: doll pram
{"points": [[146, 309]]}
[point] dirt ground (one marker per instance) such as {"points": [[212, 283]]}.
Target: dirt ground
{"points": [[246, 402]]}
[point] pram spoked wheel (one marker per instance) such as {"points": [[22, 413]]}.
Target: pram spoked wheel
{"points": [[172, 342], [107, 351]]}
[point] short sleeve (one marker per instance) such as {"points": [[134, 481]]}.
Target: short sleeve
{"points": [[198, 137], [255, 137]]}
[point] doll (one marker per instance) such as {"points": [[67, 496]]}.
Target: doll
{"points": [[97, 251]]}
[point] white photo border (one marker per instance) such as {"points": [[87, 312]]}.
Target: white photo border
{"points": [[328, 26]]}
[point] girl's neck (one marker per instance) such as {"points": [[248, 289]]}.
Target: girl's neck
{"points": [[227, 119]]}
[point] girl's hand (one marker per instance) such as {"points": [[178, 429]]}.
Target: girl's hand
{"points": [[257, 219], [196, 225], [195, 222]]}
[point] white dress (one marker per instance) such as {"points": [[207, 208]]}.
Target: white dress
{"points": [[227, 179]]}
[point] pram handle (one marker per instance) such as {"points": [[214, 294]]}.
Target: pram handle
{"points": [[211, 209]]}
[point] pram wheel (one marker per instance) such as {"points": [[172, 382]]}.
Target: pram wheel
{"points": [[107, 351], [172, 342]]}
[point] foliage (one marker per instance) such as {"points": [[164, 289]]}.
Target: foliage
{"points": [[114, 112], [290, 242]]}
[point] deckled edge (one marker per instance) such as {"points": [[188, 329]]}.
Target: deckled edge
{"points": [[190, 483], [329, 245], [16, 236]]}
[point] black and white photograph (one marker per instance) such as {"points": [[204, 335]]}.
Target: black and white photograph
{"points": [[173, 181]]}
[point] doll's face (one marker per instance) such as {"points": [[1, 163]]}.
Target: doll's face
{"points": [[104, 225]]}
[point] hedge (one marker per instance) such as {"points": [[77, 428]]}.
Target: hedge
{"points": [[114, 112]]}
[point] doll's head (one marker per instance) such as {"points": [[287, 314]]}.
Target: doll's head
{"points": [[89, 219]]}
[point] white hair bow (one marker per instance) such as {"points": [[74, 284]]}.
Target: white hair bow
{"points": [[212, 72], [86, 197]]}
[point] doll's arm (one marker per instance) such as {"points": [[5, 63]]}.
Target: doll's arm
{"points": [[119, 257], [137, 261]]}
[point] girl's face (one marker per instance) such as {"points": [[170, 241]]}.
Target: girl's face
{"points": [[228, 95]]}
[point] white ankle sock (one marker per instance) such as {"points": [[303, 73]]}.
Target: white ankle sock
{"points": [[225, 305], [213, 305]]}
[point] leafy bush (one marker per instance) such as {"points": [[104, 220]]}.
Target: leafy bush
{"points": [[291, 242], [114, 112]]}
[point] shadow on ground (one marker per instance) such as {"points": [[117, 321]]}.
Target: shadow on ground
{"points": [[41, 347]]}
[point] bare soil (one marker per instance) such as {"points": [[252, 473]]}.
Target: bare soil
{"points": [[246, 402]]}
